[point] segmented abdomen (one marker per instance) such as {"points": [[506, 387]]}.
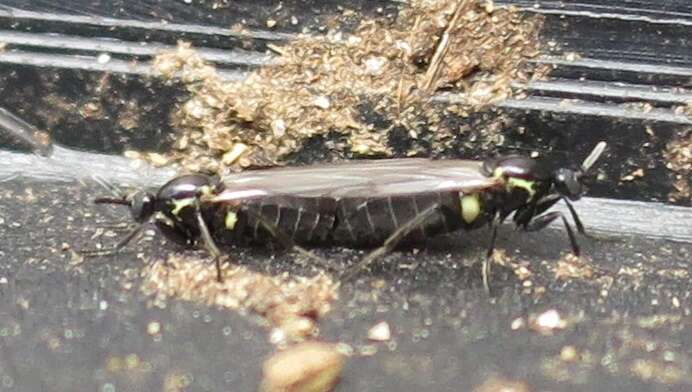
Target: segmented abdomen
{"points": [[304, 220], [367, 221]]}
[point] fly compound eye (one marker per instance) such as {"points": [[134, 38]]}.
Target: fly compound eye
{"points": [[567, 183], [141, 206]]}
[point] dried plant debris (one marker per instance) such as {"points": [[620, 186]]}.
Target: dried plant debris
{"points": [[685, 110], [678, 155], [574, 267], [305, 367], [500, 384], [290, 305], [359, 85], [521, 268]]}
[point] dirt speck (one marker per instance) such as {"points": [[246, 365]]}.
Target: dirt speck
{"points": [[380, 332], [573, 267], [678, 155], [635, 174], [177, 381], [290, 305], [548, 322], [660, 371]]}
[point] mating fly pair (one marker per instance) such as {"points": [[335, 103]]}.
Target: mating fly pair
{"points": [[377, 203]]}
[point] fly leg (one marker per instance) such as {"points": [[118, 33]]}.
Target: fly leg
{"points": [[530, 218], [539, 222], [117, 199], [542, 221], [545, 203], [286, 241], [393, 240], [485, 268], [580, 226], [524, 215], [118, 247], [575, 218], [208, 240]]}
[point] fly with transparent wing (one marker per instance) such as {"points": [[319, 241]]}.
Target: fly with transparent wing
{"points": [[378, 203]]}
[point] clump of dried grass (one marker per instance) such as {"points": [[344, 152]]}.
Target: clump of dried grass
{"points": [[320, 84]]}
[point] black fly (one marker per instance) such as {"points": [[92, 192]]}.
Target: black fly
{"points": [[361, 203]]}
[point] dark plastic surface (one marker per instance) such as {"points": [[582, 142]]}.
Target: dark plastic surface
{"points": [[63, 323]]}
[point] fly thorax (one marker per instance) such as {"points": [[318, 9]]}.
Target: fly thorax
{"points": [[182, 212], [471, 207], [515, 185]]}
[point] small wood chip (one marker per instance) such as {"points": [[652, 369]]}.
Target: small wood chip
{"points": [[306, 367]]}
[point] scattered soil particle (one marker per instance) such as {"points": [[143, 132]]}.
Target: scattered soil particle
{"points": [[548, 322], [522, 269], [660, 371], [320, 86], [573, 267], [290, 305], [678, 155], [176, 381], [380, 332]]}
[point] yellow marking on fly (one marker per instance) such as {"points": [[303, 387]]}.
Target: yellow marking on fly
{"points": [[514, 182], [181, 203], [470, 207], [231, 220], [206, 190], [527, 185]]}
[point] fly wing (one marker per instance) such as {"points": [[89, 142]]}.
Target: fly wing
{"points": [[421, 176], [365, 178]]}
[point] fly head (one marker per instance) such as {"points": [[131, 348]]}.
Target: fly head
{"points": [[568, 182], [141, 206]]}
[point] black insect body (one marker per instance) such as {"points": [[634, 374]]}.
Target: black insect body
{"points": [[362, 203], [180, 213], [370, 221], [513, 184]]}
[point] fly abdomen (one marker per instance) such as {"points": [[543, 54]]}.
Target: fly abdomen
{"points": [[304, 220], [366, 221]]}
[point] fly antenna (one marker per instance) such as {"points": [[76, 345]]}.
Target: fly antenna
{"points": [[118, 247], [112, 200], [105, 184], [593, 157], [118, 195]]}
